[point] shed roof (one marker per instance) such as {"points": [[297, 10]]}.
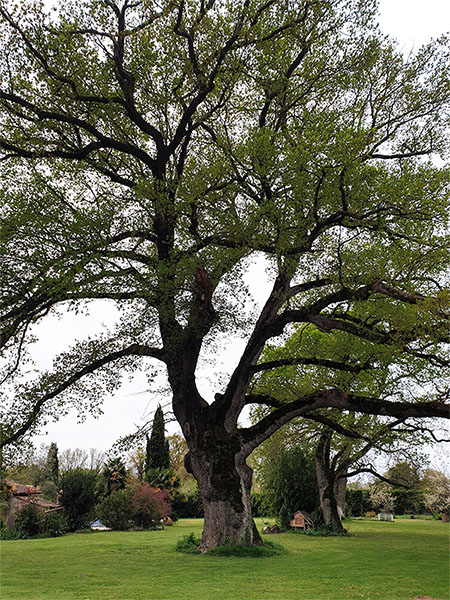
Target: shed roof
{"points": [[304, 513], [19, 489]]}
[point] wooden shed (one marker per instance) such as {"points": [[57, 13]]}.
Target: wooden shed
{"points": [[301, 520]]}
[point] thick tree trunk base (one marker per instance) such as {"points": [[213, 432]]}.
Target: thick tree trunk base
{"points": [[224, 480], [224, 526]]}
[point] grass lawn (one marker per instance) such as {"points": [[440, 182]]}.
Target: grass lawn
{"points": [[380, 560]]}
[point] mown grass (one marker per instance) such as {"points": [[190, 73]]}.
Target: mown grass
{"points": [[379, 560]]}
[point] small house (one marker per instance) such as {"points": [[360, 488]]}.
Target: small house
{"points": [[301, 520]]}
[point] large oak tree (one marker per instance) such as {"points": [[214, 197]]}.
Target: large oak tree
{"points": [[150, 150]]}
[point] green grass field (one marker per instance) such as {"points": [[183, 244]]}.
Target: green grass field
{"points": [[380, 560]]}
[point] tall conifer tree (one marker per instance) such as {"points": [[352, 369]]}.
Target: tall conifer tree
{"points": [[157, 450], [52, 463]]}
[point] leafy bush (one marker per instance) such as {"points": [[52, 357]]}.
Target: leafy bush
{"points": [[55, 524], [78, 496], [189, 544], [29, 521], [11, 534], [149, 505], [187, 507], [115, 511]]}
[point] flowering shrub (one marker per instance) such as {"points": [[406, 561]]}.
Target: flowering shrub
{"points": [[381, 497], [437, 492], [149, 505]]}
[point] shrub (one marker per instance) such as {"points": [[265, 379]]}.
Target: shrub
{"points": [[188, 507], [149, 505], [55, 524], [11, 534], [115, 511], [29, 521], [78, 496], [189, 544], [407, 501]]}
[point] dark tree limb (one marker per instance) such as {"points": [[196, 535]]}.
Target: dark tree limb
{"points": [[255, 435], [92, 367]]}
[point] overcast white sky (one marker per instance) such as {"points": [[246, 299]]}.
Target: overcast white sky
{"points": [[412, 23]]}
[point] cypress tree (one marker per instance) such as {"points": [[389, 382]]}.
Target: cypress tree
{"points": [[157, 449], [52, 463]]}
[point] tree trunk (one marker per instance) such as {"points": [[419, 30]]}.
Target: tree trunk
{"points": [[224, 480], [326, 483], [340, 490]]}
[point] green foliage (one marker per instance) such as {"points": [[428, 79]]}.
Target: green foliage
{"points": [[49, 489], [55, 524], [115, 474], [408, 501], [177, 450], [165, 479], [358, 501], [29, 521], [11, 534], [187, 506], [259, 508], [291, 485], [157, 448], [52, 464], [115, 510], [404, 474], [78, 496], [189, 544]]}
